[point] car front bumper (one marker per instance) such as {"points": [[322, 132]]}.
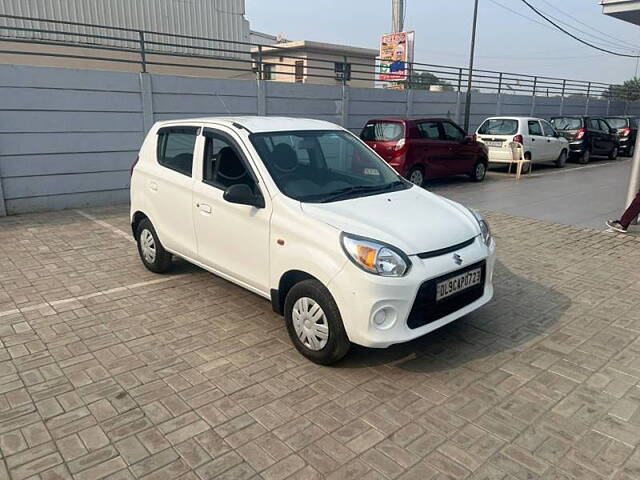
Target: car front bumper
{"points": [[360, 296]]}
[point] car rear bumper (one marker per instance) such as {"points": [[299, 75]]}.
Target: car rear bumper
{"points": [[577, 147], [361, 296], [626, 144]]}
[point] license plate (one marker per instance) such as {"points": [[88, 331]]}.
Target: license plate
{"points": [[458, 283], [493, 143]]}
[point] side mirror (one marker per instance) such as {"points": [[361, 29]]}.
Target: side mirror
{"points": [[468, 139], [243, 195]]}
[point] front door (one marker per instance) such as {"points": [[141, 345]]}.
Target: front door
{"points": [[462, 156], [553, 143], [536, 142], [232, 239]]}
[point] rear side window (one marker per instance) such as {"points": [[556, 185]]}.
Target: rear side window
{"points": [[567, 123], [499, 126], [429, 130], [175, 148], [593, 124], [383, 132], [535, 128]]}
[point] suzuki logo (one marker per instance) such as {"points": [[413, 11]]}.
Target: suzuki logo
{"points": [[457, 258]]}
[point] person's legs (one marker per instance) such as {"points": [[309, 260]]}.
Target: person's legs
{"points": [[631, 213]]}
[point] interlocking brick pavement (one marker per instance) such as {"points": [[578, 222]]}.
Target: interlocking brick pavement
{"points": [[110, 371]]}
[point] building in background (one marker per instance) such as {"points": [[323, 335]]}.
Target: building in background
{"points": [[627, 10], [178, 21], [319, 63]]}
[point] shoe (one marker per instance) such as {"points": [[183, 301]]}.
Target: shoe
{"points": [[616, 226]]}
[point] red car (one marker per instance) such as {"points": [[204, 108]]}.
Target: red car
{"points": [[426, 148]]}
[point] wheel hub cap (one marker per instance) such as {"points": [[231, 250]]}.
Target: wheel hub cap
{"points": [[310, 323], [148, 246]]}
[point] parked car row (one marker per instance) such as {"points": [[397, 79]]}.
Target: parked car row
{"points": [[427, 148]]}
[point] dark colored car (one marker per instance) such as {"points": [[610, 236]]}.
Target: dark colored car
{"points": [[426, 148], [587, 135], [627, 129]]}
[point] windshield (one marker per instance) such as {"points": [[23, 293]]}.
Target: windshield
{"points": [[617, 122], [324, 165], [499, 126], [383, 132], [567, 123]]}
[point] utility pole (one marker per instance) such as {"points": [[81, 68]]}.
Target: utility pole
{"points": [[397, 15], [467, 107]]}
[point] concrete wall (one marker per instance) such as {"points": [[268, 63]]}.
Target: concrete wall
{"points": [[68, 136]]}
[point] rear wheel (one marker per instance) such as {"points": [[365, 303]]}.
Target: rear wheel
{"points": [[526, 166], [314, 323], [585, 157], [479, 172], [562, 159], [613, 154], [416, 176], [630, 151], [151, 251]]}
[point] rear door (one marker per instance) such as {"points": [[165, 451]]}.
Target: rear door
{"points": [[169, 189], [535, 142], [609, 139], [462, 156], [597, 139], [430, 150]]}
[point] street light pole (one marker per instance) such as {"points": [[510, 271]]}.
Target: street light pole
{"points": [[467, 107]]}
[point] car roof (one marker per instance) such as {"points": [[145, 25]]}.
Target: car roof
{"points": [[257, 124], [409, 120], [512, 117]]}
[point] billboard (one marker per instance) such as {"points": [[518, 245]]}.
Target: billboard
{"points": [[396, 52]]}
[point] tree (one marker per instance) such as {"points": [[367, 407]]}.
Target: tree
{"points": [[424, 81], [629, 90]]}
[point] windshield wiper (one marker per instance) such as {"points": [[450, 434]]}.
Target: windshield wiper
{"points": [[345, 192]]}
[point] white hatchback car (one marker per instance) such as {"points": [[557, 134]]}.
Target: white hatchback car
{"points": [[302, 212], [540, 141]]}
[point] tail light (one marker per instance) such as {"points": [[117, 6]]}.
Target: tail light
{"points": [[625, 132], [518, 139], [580, 133], [133, 165]]}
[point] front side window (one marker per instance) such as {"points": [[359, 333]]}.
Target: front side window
{"points": [[223, 166], [548, 129], [175, 148], [604, 125], [452, 133], [429, 130], [534, 128], [499, 126], [593, 124], [334, 166]]}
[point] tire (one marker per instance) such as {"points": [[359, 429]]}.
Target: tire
{"points": [[479, 172], [416, 176], [151, 251], [613, 154], [585, 157], [562, 159], [302, 300], [630, 151]]}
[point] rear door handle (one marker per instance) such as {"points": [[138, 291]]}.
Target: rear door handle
{"points": [[204, 208], [153, 186]]}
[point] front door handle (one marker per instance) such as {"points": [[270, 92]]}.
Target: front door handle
{"points": [[153, 186], [204, 208]]}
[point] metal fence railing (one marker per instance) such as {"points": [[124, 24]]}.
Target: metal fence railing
{"points": [[150, 49]]}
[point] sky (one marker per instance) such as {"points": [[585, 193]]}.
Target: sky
{"points": [[506, 41]]}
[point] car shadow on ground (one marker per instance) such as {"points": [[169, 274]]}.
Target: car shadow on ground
{"points": [[521, 312]]}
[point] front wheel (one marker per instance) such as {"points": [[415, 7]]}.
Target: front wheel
{"points": [[151, 251], [479, 172], [613, 154], [562, 159], [314, 323]]}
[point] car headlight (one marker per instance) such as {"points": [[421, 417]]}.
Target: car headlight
{"points": [[484, 227], [375, 257]]}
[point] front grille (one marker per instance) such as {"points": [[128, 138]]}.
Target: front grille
{"points": [[444, 251], [426, 310]]}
